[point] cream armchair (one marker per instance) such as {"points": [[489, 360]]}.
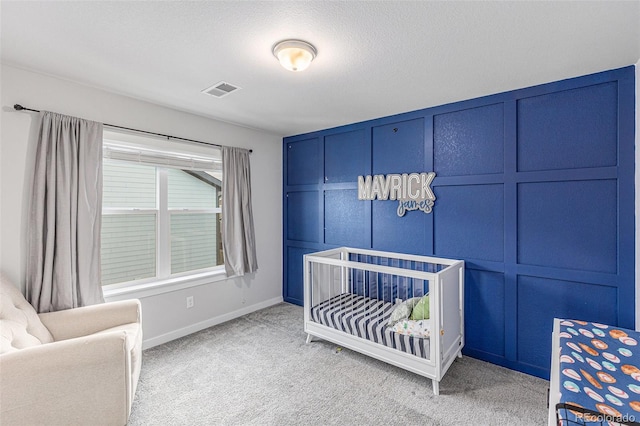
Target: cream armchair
{"points": [[77, 366]]}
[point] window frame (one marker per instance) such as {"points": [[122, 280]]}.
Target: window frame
{"points": [[164, 280]]}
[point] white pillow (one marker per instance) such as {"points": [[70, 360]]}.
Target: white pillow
{"points": [[419, 328]]}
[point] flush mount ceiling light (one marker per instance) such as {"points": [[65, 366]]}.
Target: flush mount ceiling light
{"points": [[294, 55]]}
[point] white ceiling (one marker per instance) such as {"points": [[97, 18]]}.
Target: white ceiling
{"points": [[374, 58]]}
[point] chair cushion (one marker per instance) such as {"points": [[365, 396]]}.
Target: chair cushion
{"points": [[20, 326]]}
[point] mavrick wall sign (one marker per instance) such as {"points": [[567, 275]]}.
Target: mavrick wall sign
{"points": [[412, 190]]}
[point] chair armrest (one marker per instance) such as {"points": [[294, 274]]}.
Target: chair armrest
{"points": [[75, 381], [77, 322]]}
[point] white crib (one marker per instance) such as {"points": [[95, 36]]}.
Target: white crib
{"points": [[349, 294]]}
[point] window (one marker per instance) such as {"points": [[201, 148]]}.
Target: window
{"points": [[160, 213]]}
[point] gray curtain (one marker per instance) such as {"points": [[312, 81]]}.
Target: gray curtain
{"points": [[63, 264], [238, 235]]}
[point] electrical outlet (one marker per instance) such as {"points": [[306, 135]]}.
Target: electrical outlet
{"points": [[189, 302]]}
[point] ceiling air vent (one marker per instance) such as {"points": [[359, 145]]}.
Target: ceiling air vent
{"points": [[220, 89]]}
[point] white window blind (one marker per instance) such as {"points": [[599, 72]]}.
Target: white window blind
{"points": [[128, 152]]}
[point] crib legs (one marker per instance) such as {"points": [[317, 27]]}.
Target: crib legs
{"points": [[436, 387], [460, 354], [309, 338]]}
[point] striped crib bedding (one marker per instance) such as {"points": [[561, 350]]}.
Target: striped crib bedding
{"points": [[367, 318]]}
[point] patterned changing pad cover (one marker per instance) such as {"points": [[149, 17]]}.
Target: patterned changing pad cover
{"points": [[599, 370]]}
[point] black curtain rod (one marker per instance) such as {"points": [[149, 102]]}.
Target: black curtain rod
{"points": [[19, 107]]}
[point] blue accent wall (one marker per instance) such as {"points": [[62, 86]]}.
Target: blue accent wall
{"points": [[534, 190]]}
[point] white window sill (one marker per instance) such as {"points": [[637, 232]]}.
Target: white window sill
{"points": [[147, 289]]}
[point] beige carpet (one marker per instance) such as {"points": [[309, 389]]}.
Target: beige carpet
{"points": [[257, 370]]}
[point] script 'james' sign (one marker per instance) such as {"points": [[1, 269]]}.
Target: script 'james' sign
{"points": [[412, 190]]}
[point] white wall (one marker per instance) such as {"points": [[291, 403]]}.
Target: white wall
{"points": [[165, 316]]}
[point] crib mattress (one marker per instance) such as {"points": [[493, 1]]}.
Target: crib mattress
{"points": [[367, 318]]}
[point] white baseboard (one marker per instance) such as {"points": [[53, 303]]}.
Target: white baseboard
{"points": [[185, 331]]}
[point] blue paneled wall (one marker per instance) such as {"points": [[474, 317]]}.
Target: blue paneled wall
{"points": [[534, 190]]}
